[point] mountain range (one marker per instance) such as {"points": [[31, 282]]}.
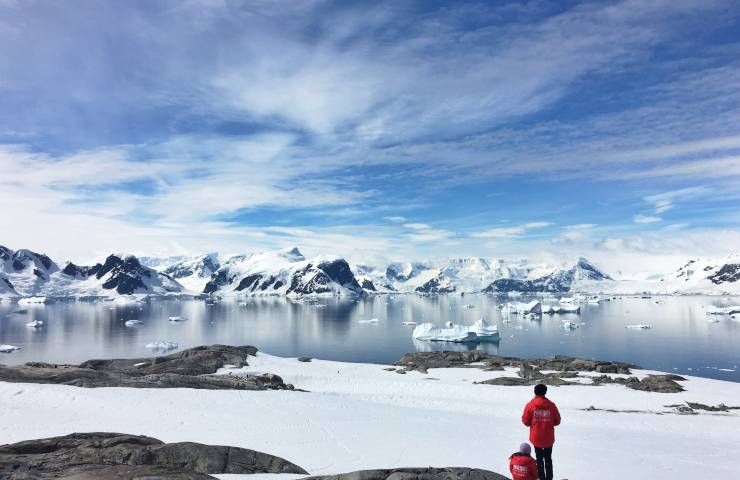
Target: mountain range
{"points": [[25, 273]]}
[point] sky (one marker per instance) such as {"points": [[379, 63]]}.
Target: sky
{"points": [[373, 130]]}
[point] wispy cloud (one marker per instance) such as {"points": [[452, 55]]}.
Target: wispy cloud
{"points": [[510, 232], [248, 124], [646, 219]]}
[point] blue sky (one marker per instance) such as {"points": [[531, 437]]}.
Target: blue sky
{"points": [[372, 129]]}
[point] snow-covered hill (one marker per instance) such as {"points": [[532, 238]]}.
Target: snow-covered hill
{"points": [[26, 273]]}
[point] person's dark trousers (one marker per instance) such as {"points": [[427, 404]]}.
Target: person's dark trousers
{"points": [[544, 462]]}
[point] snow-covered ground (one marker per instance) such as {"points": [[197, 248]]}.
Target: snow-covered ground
{"points": [[358, 416]]}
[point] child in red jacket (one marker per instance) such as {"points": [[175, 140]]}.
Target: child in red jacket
{"points": [[521, 465], [542, 416]]}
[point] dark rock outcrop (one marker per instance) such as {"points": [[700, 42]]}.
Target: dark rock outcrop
{"points": [[651, 383], [425, 473], [728, 273], [560, 370], [192, 368], [436, 286], [109, 456], [422, 361], [313, 279]]}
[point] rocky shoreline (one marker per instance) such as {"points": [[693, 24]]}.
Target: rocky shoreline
{"points": [[561, 370], [192, 368]]}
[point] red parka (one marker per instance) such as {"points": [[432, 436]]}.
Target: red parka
{"points": [[522, 467], [541, 416]]}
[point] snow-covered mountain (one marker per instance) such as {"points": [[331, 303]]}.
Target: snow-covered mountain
{"points": [[705, 276], [192, 273], [26, 273], [285, 272], [475, 274], [558, 280]]}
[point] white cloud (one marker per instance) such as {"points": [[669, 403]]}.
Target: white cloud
{"points": [[646, 219], [662, 202], [395, 219], [510, 232]]}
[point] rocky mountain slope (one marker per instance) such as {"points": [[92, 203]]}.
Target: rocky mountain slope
{"points": [[287, 272], [26, 273]]}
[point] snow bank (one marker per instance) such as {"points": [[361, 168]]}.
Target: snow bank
{"points": [[359, 416]]}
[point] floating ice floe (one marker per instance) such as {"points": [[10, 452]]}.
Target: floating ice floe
{"points": [[409, 323], [370, 321], [593, 300], [8, 348], [517, 308], [712, 310], [567, 300], [568, 325], [480, 331], [176, 319], [640, 327], [469, 305], [162, 346], [132, 323], [32, 301], [35, 324]]}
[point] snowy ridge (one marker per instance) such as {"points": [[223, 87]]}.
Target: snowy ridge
{"points": [[284, 272], [24, 273]]}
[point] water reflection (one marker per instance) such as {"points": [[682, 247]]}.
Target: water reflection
{"points": [[681, 337]]}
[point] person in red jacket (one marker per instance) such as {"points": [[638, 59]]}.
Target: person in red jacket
{"points": [[521, 464], [542, 416]]}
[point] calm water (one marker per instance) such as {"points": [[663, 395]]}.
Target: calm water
{"points": [[682, 340]]}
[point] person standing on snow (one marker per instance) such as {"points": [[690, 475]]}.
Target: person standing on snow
{"points": [[521, 465], [542, 416]]}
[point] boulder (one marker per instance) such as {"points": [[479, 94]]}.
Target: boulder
{"points": [[109, 456], [424, 473]]}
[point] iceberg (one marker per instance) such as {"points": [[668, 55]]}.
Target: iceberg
{"points": [[176, 319], [409, 323], [640, 327], [8, 348], [514, 308], [593, 300], [480, 331], [162, 346], [712, 310], [132, 323], [31, 300], [567, 308], [370, 321], [35, 324], [568, 325]]}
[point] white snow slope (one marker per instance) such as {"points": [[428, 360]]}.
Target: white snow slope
{"points": [[358, 416]]}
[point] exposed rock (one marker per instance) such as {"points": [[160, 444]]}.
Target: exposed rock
{"points": [[651, 383], [109, 456], [304, 359], [192, 368], [422, 361], [425, 473]]}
